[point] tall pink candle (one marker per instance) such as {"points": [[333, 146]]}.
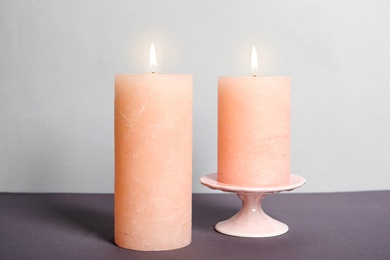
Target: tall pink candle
{"points": [[153, 161], [254, 131]]}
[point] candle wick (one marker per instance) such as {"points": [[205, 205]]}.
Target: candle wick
{"points": [[254, 75], [153, 72]]}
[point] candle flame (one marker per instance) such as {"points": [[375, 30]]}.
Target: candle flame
{"points": [[153, 62], [255, 65]]}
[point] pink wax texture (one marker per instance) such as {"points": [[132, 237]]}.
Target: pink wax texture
{"points": [[153, 161], [254, 131]]}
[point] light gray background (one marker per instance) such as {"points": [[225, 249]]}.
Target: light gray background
{"points": [[58, 60]]}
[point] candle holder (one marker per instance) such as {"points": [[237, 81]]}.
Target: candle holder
{"points": [[251, 220]]}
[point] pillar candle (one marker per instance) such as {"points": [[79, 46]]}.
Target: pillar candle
{"points": [[153, 161], [254, 131]]}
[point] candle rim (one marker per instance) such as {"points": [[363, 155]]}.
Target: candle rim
{"points": [[257, 77], [153, 74]]}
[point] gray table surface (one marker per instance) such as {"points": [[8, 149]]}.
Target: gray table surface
{"points": [[354, 225]]}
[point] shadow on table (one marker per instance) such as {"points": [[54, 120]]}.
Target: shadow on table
{"points": [[92, 214], [209, 210]]}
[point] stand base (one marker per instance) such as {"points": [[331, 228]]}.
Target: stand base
{"points": [[251, 220]]}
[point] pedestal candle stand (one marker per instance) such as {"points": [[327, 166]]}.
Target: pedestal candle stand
{"points": [[251, 220]]}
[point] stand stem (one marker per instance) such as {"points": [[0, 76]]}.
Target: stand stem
{"points": [[251, 220]]}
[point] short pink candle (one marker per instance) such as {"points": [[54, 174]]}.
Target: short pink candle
{"points": [[254, 131], [153, 161]]}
